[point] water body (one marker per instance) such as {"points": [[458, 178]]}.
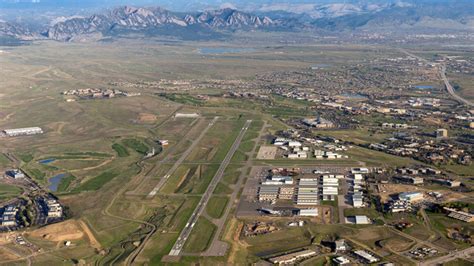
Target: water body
{"points": [[47, 161], [54, 182], [354, 96], [424, 87], [225, 50]]}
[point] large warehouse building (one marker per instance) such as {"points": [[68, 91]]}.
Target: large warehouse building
{"points": [[23, 131]]}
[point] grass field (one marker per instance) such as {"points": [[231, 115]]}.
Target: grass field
{"points": [[96, 182], [201, 236], [216, 206], [8, 192], [121, 150], [136, 145]]}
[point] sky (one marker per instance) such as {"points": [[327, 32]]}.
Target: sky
{"points": [[182, 5]]}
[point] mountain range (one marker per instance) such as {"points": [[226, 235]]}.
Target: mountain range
{"points": [[217, 23]]}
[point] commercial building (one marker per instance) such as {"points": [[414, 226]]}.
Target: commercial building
{"points": [[278, 180], [8, 217], [410, 196], [55, 210], [293, 257], [367, 257], [23, 131], [15, 173], [409, 180]]}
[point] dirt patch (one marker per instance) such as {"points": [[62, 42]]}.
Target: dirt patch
{"points": [[68, 230], [92, 240], [6, 255], [368, 234], [267, 153], [147, 118]]}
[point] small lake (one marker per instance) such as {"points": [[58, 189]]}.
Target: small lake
{"points": [[424, 87], [55, 181], [47, 161], [225, 50], [354, 96]]}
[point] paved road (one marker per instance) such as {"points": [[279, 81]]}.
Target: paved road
{"points": [[451, 89], [448, 85], [463, 254], [180, 160], [183, 237]]}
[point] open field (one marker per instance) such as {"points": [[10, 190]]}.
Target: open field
{"points": [[100, 144]]}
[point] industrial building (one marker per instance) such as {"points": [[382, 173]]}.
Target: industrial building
{"points": [[307, 196], [330, 187], [308, 182], [460, 215], [293, 257], [23, 131], [341, 260], [409, 180], [447, 182], [286, 193], [268, 193], [278, 180], [308, 212], [367, 257], [186, 115], [410, 196]]}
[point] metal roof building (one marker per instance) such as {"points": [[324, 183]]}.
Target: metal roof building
{"points": [[23, 131]]}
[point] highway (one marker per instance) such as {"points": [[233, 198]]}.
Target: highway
{"points": [[445, 79], [463, 254], [186, 232], [451, 89], [180, 160]]}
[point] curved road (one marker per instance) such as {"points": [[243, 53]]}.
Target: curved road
{"points": [[442, 72], [451, 89]]}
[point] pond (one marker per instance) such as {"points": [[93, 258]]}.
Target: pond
{"points": [[47, 161], [354, 96], [225, 50], [424, 87], [55, 181]]}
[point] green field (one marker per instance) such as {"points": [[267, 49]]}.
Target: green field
{"points": [[136, 145], [201, 236], [96, 182], [216, 206], [121, 150], [8, 192]]}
